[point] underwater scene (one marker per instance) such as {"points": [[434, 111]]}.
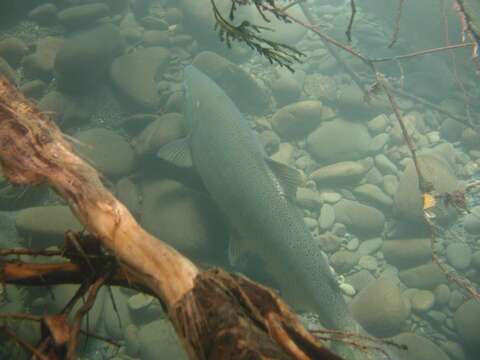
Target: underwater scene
{"points": [[240, 179]]}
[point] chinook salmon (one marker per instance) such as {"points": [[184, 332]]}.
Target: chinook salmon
{"points": [[257, 195]]}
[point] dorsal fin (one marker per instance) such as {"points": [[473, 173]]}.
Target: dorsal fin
{"points": [[289, 178]]}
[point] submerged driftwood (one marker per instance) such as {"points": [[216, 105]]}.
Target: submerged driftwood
{"points": [[216, 315]]}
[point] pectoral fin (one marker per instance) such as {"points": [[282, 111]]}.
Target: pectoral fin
{"points": [[289, 178], [177, 153]]}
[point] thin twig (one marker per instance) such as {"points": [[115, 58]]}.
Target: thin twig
{"points": [[350, 22], [398, 17], [11, 334]]}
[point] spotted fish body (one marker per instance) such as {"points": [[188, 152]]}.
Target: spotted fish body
{"points": [[236, 172]]}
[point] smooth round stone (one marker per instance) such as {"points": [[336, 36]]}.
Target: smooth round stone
{"points": [[476, 260], [347, 289], [327, 216], [139, 301], [459, 255], [310, 223], [378, 123], [330, 197], [456, 299], [370, 246], [368, 262], [471, 223], [442, 294], [353, 244], [422, 301], [390, 184]]}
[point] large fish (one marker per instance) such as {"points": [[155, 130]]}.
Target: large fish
{"points": [[255, 193]]}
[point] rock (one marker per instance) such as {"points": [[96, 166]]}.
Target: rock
{"points": [[405, 253], [156, 38], [353, 244], [451, 129], [82, 15], [67, 110], [390, 184], [160, 334], [330, 197], [378, 143], [297, 120], [347, 289], [327, 217], [467, 323], [7, 71], [329, 242], [338, 140], [270, 141], [380, 308], [359, 218], [368, 262], [360, 279], [139, 302], [456, 299], [426, 276], [62, 294], [344, 172], [164, 129], [374, 195], [45, 14], [343, 261], [476, 260], [454, 350], [471, 222], [308, 198], [109, 152], [236, 82], [111, 314], [408, 199], [134, 76], [13, 50], [442, 294], [311, 223], [130, 336], [284, 154], [184, 218], [422, 301], [370, 246], [459, 255], [46, 225], [40, 64], [84, 58], [286, 90], [127, 192], [385, 165], [33, 89], [418, 348], [378, 123]]}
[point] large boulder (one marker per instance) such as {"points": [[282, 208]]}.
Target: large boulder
{"points": [[408, 200], [134, 75], [236, 82], [84, 58], [339, 140], [380, 308]]}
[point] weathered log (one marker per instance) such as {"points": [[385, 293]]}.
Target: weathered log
{"points": [[216, 315]]}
